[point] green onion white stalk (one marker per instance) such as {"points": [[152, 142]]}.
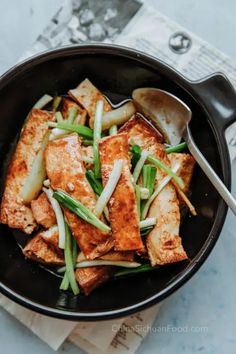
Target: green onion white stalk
{"points": [[118, 116], [147, 222], [113, 130], [167, 169], [139, 165], [34, 181], [58, 117], [46, 183], [87, 159], [69, 263], [43, 101], [109, 188], [138, 199], [97, 136], [59, 217], [101, 262], [161, 185], [98, 262], [144, 193], [77, 128], [72, 115]]}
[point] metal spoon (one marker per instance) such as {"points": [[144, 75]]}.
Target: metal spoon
{"points": [[172, 116]]}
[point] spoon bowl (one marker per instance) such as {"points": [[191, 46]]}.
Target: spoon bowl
{"points": [[167, 112]]}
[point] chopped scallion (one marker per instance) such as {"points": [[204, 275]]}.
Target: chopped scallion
{"points": [[94, 182], [56, 102], [43, 101], [139, 165], [143, 268], [70, 263], [59, 217], [109, 188], [138, 199], [113, 130], [80, 210], [176, 148], [58, 117], [77, 128], [97, 136], [72, 114]]}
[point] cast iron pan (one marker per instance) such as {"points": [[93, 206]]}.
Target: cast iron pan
{"points": [[116, 71]]}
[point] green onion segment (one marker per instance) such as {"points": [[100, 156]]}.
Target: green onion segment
{"points": [[80, 210], [97, 136]]}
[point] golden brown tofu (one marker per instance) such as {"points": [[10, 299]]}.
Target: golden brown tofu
{"points": [[87, 95], [122, 205], [163, 242], [43, 212], [51, 236], [40, 251], [92, 277], [66, 171], [81, 113], [13, 211], [141, 132], [186, 168]]}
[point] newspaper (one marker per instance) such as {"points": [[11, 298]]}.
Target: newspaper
{"points": [[106, 337], [142, 27], [136, 25]]}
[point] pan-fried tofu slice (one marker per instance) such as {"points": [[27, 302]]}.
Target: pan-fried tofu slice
{"points": [[51, 236], [92, 277], [13, 211], [67, 104], [141, 132], [39, 250], [185, 171], [122, 206], [163, 242], [87, 95], [43, 212], [66, 171]]}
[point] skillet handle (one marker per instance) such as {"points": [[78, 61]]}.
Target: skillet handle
{"points": [[219, 97]]}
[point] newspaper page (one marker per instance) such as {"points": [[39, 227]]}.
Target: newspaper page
{"points": [[125, 337], [117, 336], [142, 27]]}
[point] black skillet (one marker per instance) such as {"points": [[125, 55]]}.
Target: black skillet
{"points": [[116, 71]]}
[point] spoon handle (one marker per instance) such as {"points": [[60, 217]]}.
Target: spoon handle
{"points": [[215, 180]]}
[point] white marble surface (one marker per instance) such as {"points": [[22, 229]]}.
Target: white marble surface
{"points": [[201, 316]]}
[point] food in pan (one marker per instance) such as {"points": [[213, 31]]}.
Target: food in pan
{"points": [[97, 189]]}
